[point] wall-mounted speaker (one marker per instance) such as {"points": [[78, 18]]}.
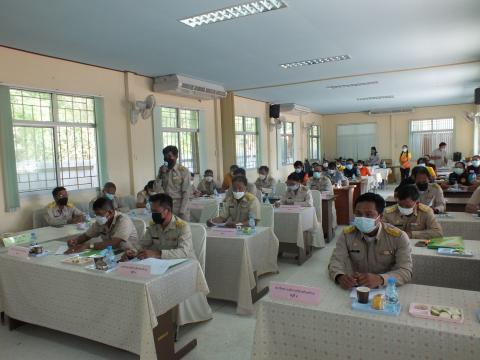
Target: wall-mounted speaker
{"points": [[275, 111], [477, 96]]}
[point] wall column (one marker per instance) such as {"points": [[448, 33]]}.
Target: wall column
{"points": [[227, 112]]}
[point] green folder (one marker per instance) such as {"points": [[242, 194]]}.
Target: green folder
{"points": [[452, 242]]}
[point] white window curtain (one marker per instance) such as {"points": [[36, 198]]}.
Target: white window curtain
{"points": [[355, 140], [425, 135]]}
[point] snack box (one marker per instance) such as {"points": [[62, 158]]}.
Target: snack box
{"points": [[77, 260], [437, 312], [455, 252]]}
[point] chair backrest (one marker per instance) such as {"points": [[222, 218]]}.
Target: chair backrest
{"points": [[199, 240], [127, 201], [267, 216], [140, 226], [280, 189], [39, 218], [317, 203], [209, 211], [83, 206]]}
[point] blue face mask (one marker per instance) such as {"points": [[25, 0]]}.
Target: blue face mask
{"points": [[349, 166], [316, 175], [365, 225], [109, 196], [298, 170]]}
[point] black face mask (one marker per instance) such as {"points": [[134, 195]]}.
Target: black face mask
{"points": [[157, 218], [62, 201], [169, 161], [422, 186]]}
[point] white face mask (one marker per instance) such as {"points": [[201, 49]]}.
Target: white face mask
{"points": [[325, 165], [262, 177], [476, 163], [422, 165], [404, 149], [208, 178], [298, 170], [331, 172], [293, 187], [238, 194], [101, 220], [151, 193], [405, 211]]}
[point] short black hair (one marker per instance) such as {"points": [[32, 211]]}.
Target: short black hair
{"points": [[233, 167], [351, 160], [103, 203], [460, 162], [442, 144], [57, 190], [209, 171], [264, 167], [240, 178], [163, 200], [315, 164], [239, 171], [332, 165], [149, 185], [110, 185], [360, 162], [420, 170], [294, 177], [170, 148], [408, 192], [371, 197], [297, 163], [422, 159]]}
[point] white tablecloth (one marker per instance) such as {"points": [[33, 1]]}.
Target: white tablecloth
{"points": [[203, 208], [107, 308], [384, 173], [290, 225], [232, 260], [430, 268], [332, 330], [460, 224]]}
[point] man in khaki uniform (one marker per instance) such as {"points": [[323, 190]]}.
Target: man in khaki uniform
{"points": [[416, 219], [144, 195], [61, 211], [109, 190], [473, 204], [296, 193], [264, 180], [430, 194], [115, 229], [370, 251], [208, 185], [319, 181], [238, 206], [174, 180]]}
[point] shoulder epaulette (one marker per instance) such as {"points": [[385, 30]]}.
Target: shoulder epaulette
{"points": [[249, 197], [424, 208], [182, 168], [436, 186], [391, 230], [180, 223], [349, 229], [51, 205], [391, 209]]}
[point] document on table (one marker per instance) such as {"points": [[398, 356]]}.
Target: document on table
{"points": [[160, 266], [61, 250]]}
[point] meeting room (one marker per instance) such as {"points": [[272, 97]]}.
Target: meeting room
{"points": [[242, 179]]}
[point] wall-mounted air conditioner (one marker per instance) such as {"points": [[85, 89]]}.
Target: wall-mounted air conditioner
{"points": [[182, 85], [294, 109]]}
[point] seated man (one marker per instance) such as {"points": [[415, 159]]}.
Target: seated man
{"points": [[115, 229], [431, 194], [169, 237], [108, 191], [264, 180], [251, 188], [350, 170], [319, 181], [370, 251], [364, 171], [416, 219], [208, 185], [238, 205], [296, 194], [336, 176], [458, 176], [227, 179], [61, 211], [473, 204], [422, 162], [475, 167], [144, 195], [300, 171]]}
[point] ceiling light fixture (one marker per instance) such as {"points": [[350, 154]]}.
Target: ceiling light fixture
{"points": [[315, 61], [234, 12], [375, 97], [333, 87]]}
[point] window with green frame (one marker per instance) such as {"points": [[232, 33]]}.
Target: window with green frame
{"points": [[246, 134], [286, 138], [314, 142]]}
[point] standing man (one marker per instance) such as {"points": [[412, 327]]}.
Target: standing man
{"points": [[440, 155], [174, 180]]}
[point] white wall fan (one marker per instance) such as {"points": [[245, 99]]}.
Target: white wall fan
{"points": [[143, 109]]}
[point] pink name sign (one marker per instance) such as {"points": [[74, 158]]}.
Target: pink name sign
{"points": [[18, 251], [223, 231], [296, 293], [133, 270]]}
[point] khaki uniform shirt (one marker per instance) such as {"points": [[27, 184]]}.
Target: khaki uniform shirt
{"points": [[115, 201], [267, 183], [321, 184], [473, 204], [122, 228], [55, 216], [422, 224], [237, 211], [433, 197], [175, 241], [302, 197], [389, 254], [251, 188], [208, 188], [176, 183]]}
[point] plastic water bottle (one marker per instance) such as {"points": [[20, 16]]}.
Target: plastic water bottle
{"points": [[455, 185], [354, 177], [33, 238], [251, 222], [148, 207], [391, 294], [110, 257], [88, 219], [471, 176], [215, 192]]}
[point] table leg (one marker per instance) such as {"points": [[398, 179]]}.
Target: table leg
{"points": [[257, 295], [14, 323], [2, 317], [164, 334]]}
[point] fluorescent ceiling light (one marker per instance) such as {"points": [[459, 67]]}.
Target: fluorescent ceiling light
{"points": [[332, 87], [234, 12], [315, 61], [376, 97]]}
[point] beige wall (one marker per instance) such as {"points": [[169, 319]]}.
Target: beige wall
{"points": [[393, 131]]}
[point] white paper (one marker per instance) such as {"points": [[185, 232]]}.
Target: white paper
{"points": [[160, 266], [61, 250]]}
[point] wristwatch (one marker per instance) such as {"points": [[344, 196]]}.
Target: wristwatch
{"points": [[92, 246]]}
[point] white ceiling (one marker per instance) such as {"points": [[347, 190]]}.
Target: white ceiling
{"points": [[384, 38]]}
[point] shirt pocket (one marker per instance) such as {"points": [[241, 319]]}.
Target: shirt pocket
{"points": [[386, 257]]}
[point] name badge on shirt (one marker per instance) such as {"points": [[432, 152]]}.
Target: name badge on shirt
{"points": [[387, 252]]}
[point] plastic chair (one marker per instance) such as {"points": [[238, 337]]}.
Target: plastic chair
{"points": [[140, 226], [199, 240], [280, 189], [317, 203], [83, 206], [127, 201], [39, 218], [210, 211], [267, 216]]}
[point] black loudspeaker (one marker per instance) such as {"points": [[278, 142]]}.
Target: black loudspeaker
{"points": [[477, 96], [457, 156], [275, 111]]}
